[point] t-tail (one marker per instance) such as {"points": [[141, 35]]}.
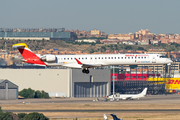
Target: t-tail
{"points": [[28, 55]]}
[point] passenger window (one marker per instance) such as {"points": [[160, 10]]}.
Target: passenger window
{"points": [[95, 58], [142, 57], [108, 57], [121, 57], [102, 57], [91, 58], [111, 57], [99, 57], [118, 57], [128, 57], [71, 58], [79, 58], [125, 57], [86, 57], [114, 57], [138, 57], [64, 58], [135, 57], [132, 57], [67, 58], [105, 57]]}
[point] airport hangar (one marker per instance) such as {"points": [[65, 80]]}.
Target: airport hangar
{"points": [[61, 82]]}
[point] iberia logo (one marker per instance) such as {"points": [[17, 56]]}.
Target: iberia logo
{"points": [[174, 82]]}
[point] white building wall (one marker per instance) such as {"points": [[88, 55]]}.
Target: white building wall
{"points": [[54, 81]]}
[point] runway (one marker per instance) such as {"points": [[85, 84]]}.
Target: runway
{"points": [[150, 99], [137, 110]]}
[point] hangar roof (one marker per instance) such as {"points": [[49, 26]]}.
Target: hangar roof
{"points": [[10, 84]]}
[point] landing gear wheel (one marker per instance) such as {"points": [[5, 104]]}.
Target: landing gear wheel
{"points": [[85, 71]]}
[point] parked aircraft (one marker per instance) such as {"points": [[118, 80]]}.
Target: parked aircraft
{"points": [[114, 117], [129, 96], [89, 61]]}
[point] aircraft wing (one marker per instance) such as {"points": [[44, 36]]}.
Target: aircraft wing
{"points": [[83, 65]]}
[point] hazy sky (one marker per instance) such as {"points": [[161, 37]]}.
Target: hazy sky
{"points": [[109, 16]]}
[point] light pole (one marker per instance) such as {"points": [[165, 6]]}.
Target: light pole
{"points": [[113, 82]]}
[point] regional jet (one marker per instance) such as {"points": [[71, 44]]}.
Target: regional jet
{"points": [[89, 61], [129, 96]]}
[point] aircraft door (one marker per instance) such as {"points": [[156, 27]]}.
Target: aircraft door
{"points": [[91, 60], [154, 60]]}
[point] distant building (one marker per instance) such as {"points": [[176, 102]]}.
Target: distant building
{"points": [[121, 36], [36, 34], [87, 40], [95, 32]]}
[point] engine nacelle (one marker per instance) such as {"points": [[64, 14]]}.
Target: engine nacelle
{"points": [[48, 58]]}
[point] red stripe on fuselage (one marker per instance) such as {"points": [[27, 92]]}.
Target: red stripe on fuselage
{"points": [[30, 57]]}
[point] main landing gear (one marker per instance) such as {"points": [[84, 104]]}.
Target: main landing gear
{"points": [[85, 71]]}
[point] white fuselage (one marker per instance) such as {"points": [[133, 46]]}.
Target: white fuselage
{"points": [[99, 60]]}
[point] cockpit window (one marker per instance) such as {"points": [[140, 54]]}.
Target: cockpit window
{"points": [[163, 57]]}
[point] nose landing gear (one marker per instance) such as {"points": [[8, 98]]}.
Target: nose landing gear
{"points": [[85, 71]]}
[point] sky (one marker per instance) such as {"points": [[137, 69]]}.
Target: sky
{"points": [[109, 16]]}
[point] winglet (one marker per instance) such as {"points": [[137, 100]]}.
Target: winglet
{"points": [[78, 61]]}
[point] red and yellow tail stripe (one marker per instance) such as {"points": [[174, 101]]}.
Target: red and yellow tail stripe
{"points": [[27, 54]]}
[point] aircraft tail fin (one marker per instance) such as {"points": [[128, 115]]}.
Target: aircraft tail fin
{"points": [[144, 92], [105, 117], [27, 54], [114, 117]]}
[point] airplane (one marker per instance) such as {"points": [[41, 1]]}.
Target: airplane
{"points": [[89, 61], [114, 117], [129, 96]]}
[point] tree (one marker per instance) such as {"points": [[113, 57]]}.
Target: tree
{"points": [[0, 110], [35, 116], [127, 47], [103, 48], [27, 93], [21, 115], [140, 48], [6, 116]]}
